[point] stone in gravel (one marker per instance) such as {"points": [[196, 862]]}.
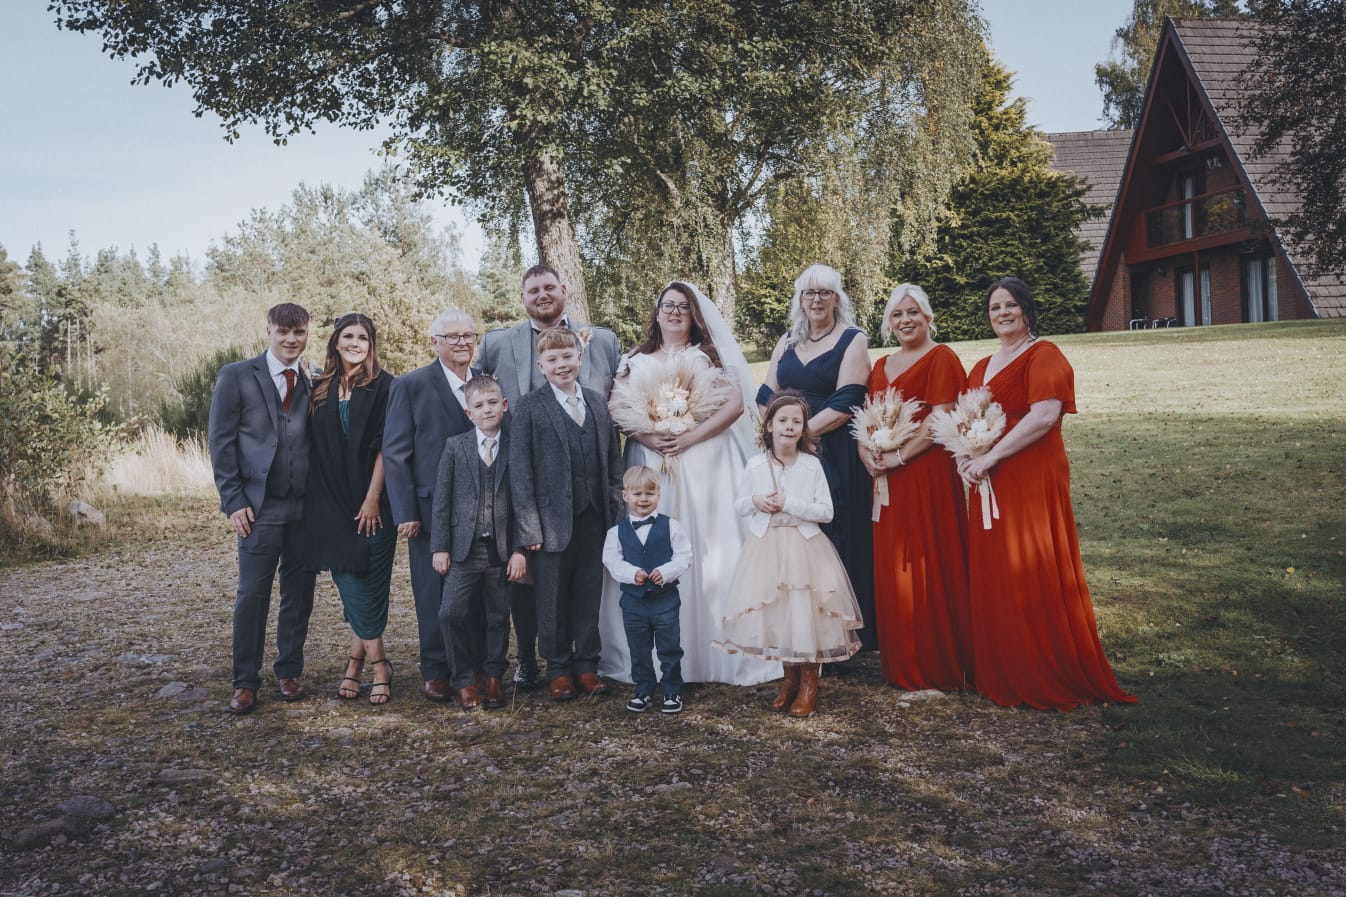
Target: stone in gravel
{"points": [[90, 596], [219, 864], [182, 776], [43, 833], [10, 627], [673, 786], [568, 892], [925, 694], [132, 659], [81, 513], [170, 690], [87, 806]]}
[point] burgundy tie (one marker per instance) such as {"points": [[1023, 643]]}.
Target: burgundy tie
{"points": [[289, 387]]}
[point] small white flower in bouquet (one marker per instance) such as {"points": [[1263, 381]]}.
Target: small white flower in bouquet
{"points": [[975, 423], [884, 423], [669, 398]]}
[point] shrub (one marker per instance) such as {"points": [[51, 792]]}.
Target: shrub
{"points": [[188, 415]]}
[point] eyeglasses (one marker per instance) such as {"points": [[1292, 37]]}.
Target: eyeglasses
{"points": [[681, 308], [817, 295], [452, 338]]}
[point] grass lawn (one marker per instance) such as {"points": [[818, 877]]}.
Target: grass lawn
{"points": [[1208, 470]]}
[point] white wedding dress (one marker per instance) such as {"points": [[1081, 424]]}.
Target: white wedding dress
{"points": [[698, 492]]}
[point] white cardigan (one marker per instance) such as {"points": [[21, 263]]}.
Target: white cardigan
{"points": [[803, 484]]}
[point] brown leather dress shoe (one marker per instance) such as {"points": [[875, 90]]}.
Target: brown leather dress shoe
{"points": [[243, 701], [290, 689], [590, 684], [469, 698], [437, 690], [562, 689], [494, 698]]}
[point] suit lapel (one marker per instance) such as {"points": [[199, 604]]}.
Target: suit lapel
{"points": [[557, 414], [270, 396], [445, 393], [501, 458]]}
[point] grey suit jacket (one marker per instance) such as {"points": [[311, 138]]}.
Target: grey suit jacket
{"points": [[244, 421], [452, 526], [507, 355], [539, 467], [422, 414]]}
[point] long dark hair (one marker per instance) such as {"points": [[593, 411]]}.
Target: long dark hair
{"points": [[807, 441], [333, 369], [1022, 295], [698, 334]]}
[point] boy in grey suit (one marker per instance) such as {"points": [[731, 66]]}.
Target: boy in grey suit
{"points": [[566, 480], [472, 540], [259, 452]]}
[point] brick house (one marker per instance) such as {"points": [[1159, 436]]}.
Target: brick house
{"points": [[1189, 240]]}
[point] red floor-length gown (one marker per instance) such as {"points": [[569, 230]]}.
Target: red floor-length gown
{"points": [[920, 547], [1034, 637]]}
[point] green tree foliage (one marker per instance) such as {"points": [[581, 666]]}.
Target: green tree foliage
{"points": [[48, 438], [500, 281], [1123, 77], [187, 413], [1293, 101], [16, 305], [1011, 214]]}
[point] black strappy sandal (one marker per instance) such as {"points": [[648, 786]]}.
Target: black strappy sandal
{"points": [[388, 685], [343, 688]]}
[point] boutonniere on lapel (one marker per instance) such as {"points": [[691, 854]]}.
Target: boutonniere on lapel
{"points": [[585, 332]]}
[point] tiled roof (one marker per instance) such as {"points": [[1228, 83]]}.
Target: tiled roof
{"points": [[1099, 157], [1219, 50]]}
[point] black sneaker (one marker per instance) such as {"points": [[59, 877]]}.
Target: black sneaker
{"points": [[672, 704], [640, 703], [526, 678]]}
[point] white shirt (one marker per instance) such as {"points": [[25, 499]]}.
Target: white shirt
{"points": [[624, 572], [456, 385], [564, 397], [278, 369]]}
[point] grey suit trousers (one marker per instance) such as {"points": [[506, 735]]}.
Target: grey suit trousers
{"points": [[276, 540], [474, 615]]}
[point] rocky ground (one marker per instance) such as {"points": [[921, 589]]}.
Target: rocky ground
{"points": [[122, 775]]}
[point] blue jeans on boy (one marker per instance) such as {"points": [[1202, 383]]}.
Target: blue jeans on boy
{"points": [[651, 623]]}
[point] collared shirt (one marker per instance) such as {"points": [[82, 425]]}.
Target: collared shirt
{"points": [[278, 369], [481, 443], [624, 572], [564, 321], [456, 385], [563, 396]]}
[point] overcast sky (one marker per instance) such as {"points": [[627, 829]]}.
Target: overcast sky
{"points": [[127, 166]]}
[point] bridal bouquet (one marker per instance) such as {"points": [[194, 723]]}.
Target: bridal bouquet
{"points": [[884, 424], [668, 398], [968, 431]]}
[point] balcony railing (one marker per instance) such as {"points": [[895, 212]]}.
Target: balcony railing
{"points": [[1190, 219]]}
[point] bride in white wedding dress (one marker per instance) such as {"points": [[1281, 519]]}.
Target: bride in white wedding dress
{"points": [[697, 490]]}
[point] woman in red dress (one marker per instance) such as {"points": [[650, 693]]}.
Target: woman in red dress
{"points": [[920, 539], [1034, 637]]}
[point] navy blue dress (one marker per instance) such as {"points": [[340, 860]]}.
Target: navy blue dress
{"points": [[851, 530]]}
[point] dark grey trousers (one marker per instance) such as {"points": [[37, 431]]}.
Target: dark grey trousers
{"points": [[474, 615], [427, 588], [569, 591], [276, 541]]}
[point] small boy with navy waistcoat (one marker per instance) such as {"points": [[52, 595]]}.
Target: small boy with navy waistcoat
{"points": [[645, 553]]}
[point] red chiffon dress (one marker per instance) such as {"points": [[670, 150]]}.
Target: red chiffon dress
{"points": [[921, 600], [1034, 637]]}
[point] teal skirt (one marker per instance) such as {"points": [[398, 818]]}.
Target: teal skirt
{"points": [[364, 596]]}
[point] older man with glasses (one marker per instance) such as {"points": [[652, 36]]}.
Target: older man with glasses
{"points": [[426, 407]]}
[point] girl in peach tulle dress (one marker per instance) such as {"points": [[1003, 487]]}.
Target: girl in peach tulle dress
{"points": [[790, 598]]}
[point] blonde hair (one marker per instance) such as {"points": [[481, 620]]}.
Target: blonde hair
{"points": [[482, 383], [557, 338], [900, 292], [818, 277], [640, 475]]}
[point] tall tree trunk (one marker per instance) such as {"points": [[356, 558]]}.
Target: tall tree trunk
{"points": [[724, 277], [556, 244]]}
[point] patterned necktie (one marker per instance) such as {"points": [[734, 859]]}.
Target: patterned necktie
{"points": [[575, 409], [289, 388], [488, 450]]}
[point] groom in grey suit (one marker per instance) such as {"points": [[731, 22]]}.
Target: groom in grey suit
{"points": [[425, 408], [259, 452], [510, 356]]}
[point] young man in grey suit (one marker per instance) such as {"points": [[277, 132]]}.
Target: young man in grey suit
{"points": [[472, 538], [565, 471], [259, 451], [510, 355], [425, 408]]}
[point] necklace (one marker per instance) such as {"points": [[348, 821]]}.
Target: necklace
{"points": [[820, 338], [1009, 352], [674, 350]]}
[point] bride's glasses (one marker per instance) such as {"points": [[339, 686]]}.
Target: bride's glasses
{"points": [[681, 308]]}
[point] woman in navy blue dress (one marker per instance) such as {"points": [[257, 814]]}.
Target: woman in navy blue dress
{"points": [[826, 357]]}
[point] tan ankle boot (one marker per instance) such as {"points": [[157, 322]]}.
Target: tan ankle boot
{"points": [[808, 690], [788, 689]]}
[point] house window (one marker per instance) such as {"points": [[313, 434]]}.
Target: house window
{"points": [[1187, 190], [1259, 289], [1193, 296]]}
